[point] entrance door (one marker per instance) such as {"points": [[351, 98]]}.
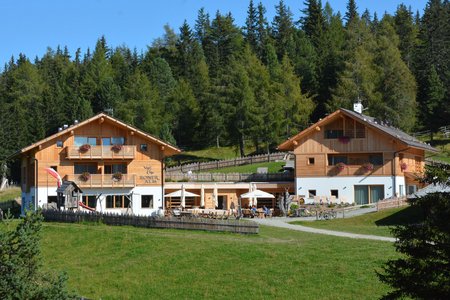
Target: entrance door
{"points": [[221, 202]]}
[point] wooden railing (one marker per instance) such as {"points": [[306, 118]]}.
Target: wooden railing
{"points": [[101, 152], [351, 170], [102, 180], [229, 177], [391, 203]]}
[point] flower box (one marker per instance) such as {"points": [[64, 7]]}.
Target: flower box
{"points": [[116, 148], [117, 176], [368, 167], [84, 148], [340, 166], [344, 139], [84, 176], [403, 166]]}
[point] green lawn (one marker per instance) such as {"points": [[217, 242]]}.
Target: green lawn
{"points": [[10, 194], [376, 223], [137, 263], [208, 154], [273, 167]]}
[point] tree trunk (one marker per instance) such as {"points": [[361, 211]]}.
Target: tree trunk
{"points": [[217, 142], [241, 145]]}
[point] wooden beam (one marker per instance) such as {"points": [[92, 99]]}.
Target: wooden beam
{"points": [[101, 120]]}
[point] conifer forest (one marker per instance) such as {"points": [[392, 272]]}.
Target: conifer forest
{"points": [[216, 83]]}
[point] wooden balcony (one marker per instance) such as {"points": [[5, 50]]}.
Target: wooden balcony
{"points": [[103, 180], [101, 152], [356, 170]]}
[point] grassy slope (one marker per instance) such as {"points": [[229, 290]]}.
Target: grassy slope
{"points": [[137, 263], [10, 194], [377, 223], [273, 167]]}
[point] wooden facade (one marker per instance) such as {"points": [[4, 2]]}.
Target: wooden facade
{"points": [[138, 156]]}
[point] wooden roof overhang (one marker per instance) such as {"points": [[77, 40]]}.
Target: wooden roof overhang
{"points": [[167, 148], [394, 133]]}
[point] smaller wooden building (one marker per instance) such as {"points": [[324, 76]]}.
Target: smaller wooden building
{"points": [[69, 195]]}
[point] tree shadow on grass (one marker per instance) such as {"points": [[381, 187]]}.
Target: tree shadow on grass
{"points": [[409, 215]]}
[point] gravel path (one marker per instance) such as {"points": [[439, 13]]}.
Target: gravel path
{"points": [[283, 223]]}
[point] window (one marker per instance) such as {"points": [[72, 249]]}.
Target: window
{"points": [[334, 133], [311, 193], [147, 201], [117, 201], [59, 144], [335, 193], [90, 200], [334, 159], [52, 199], [116, 168], [82, 140], [144, 147], [311, 160], [81, 168], [109, 141], [376, 159], [118, 140]]}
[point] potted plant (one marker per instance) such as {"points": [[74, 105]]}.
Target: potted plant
{"points": [[344, 139], [368, 167], [403, 166], [85, 176], [340, 166], [116, 148], [84, 148], [117, 176]]}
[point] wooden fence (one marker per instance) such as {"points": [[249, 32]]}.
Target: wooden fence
{"points": [[231, 225], [211, 165], [229, 177], [391, 203]]}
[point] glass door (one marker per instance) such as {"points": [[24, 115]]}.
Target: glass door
{"points": [[376, 193], [361, 194]]}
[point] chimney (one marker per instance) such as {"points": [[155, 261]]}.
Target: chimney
{"points": [[358, 107]]}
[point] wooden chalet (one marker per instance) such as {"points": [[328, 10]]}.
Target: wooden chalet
{"points": [[118, 167], [354, 158]]}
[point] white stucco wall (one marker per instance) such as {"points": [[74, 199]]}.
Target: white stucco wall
{"points": [[345, 186], [44, 193]]}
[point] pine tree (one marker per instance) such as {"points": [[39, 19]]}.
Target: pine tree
{"points": [[407, 32], [251, 25], [352, 12], [313, 22], [283, 30]]}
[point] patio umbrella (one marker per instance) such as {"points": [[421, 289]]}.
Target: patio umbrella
{"points": [[178, 194], [216, 201], [257, 194], [202, 196], [183, 196]]}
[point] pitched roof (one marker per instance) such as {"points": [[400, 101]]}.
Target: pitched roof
{"points": [[66, 184], [369, 122], [168, 148]]}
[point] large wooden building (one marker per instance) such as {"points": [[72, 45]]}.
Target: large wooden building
{"points": [[354, 158], [118, 167]]}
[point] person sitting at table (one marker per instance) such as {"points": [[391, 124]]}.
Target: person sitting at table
{"points": [[266, 211], [253, 210]]}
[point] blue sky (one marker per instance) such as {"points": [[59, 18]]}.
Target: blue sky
{"points": [[30, 27]]}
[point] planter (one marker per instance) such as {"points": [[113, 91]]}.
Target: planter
{"points": [[84, 176], [368, 167], [340, 166], [403, 166], [84, 148], [117, 176], [116, 148]]}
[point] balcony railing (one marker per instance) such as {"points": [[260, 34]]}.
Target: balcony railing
{"points": [[224, 177], [101, 152], [355, 170], [103, 180]]}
